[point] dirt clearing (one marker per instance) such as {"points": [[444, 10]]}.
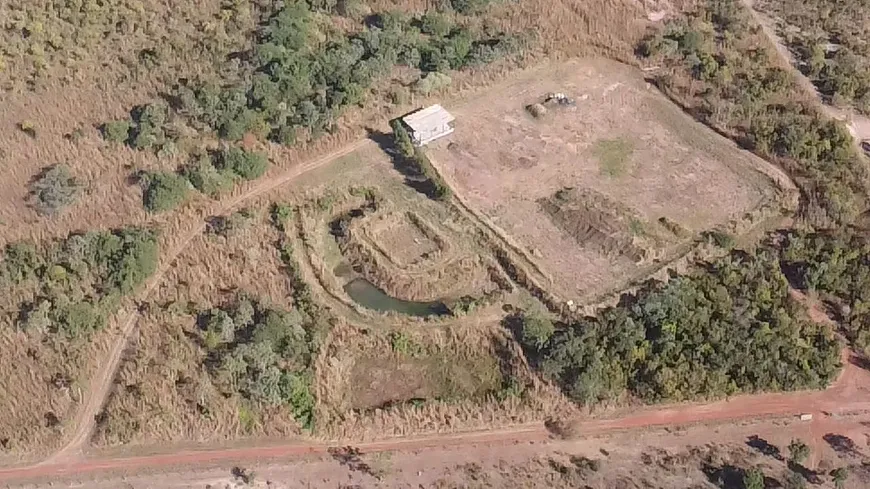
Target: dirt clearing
{"points": [[644, 177]]}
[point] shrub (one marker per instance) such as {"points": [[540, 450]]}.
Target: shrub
{"points": [[116, 131], [246, 164], [280, 213], [469, 6], [206, 178], [164, 191], [54, 189], [435, 23]]}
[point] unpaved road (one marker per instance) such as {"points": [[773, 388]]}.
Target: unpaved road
{"points": [[101, 383], [849, 395]]}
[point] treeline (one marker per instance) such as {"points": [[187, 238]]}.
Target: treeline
{"points": [[835, 265], [77, 281], [290, 82], [262, 353], [721, 68], [732, 328], [416, 165], [829, 44]]}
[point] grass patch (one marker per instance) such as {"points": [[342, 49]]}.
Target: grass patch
{"points": [[613, 155]]}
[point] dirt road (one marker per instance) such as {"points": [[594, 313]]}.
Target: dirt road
{"points": [[849, 395], [101, 382]]}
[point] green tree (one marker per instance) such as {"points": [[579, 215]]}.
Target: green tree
{"points": [[753, 479], [840, 475], [537, 330], [798, 451], [54, 189], [164, 191], [435, 23], [246, 164]]}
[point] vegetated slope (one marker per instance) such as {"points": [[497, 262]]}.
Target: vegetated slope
{"points": [[835, 265], [728, 329], [828, 40], [723, 70], [46, 41], [55, 298]]}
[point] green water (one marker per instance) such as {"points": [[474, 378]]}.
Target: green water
{"points": [[367, 295]]}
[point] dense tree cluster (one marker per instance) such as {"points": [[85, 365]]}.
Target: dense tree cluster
{"points": [[732, 328], [79, 280], [293, 84], [721, 68], [835, 265], [262, 353]]}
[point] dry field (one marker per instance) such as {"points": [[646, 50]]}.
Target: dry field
{"points": [[425, 379], [163, 383], [599, 192], [82, 84]]}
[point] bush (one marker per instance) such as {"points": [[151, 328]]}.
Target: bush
{"points": [[116, 131], [435, 23], [469, 6], [164, 191], [431, 82], [206, 178], [54, 189], [246, 164]]}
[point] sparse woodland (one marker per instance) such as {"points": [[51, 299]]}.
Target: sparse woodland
{"points": [[829, 44], [723, 70]]}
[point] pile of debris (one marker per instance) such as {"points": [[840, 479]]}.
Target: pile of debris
{"points": [[551, 100]]}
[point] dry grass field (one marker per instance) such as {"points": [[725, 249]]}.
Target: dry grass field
{"points": [[621, 178], [424, 379]]}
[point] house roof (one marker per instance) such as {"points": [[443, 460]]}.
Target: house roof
{"points": [[427, 119]]}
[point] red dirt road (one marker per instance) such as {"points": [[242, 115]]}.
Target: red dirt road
{"points": [[849, 395]]}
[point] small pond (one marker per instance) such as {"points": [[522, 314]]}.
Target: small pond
{"points": [[367, 295]]}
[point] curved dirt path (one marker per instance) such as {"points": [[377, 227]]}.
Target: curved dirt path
{"points": [[101, 383], [858, 125]]}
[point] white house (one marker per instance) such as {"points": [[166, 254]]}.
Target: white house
{"points": [[428, 124]]}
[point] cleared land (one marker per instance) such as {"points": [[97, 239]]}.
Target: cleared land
{"points": [[597, 191]]}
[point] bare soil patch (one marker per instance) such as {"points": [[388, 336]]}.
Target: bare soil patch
{"points": [[409, 239], [504, 162]]}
